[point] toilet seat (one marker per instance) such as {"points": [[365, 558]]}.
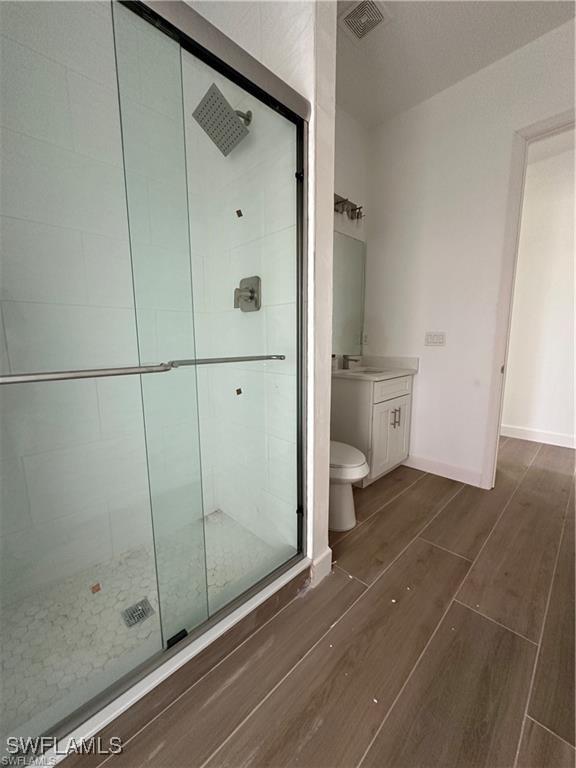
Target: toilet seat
{"points": [[347, 464]]}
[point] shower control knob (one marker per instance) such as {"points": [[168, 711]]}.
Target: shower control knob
{"points": [[247, 297]]}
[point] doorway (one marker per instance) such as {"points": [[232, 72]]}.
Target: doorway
{"points": [[538, 402]]}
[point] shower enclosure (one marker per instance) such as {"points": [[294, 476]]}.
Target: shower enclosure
{"points": [[151, 312]]}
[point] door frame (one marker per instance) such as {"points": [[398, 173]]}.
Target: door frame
{"points": [[522, 138]]}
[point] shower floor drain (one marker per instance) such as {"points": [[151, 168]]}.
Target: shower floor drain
{"points": [[137, 613]]}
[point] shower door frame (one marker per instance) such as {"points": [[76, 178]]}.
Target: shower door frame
{"points": [[204, 41]]}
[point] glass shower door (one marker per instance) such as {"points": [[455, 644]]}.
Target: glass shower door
{"points": [[150, 92], [212, 201], [242, 186]]}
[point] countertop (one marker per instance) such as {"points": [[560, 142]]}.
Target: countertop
{"points": [[382, 374]]}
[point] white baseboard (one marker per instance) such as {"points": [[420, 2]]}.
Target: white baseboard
{"points": [[321, 567], [461, 474], [539, 436]]}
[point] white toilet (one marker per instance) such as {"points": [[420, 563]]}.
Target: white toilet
{"points": [[347, 466]]}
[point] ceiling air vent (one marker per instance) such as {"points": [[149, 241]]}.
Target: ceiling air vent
{"points": [[362, 18]]}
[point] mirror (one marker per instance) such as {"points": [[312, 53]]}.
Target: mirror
{"points": [[348, 295]]}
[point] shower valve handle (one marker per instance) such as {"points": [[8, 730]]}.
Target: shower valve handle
{"points": [[249, 294]]}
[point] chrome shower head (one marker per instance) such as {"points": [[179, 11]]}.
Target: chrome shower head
{"points": [[223, 125]]}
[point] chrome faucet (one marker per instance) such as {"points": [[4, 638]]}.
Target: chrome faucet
{"points": [[347, 359]]}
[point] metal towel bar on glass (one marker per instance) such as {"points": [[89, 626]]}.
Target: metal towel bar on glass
{"points": [[93, 373]]}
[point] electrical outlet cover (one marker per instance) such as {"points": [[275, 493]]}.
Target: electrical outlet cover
{"points": [[435, 339]]}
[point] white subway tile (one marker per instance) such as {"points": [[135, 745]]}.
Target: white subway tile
{"points": [[95, 119], [153, 142], [78, 35], [239, 397], [160, 70], [130, 522], [231, 333], [44, 183], [247, 194], [175, 334], [279, 261], [120, 407], [199, 283], [170, 400], [48, 415], [148, 348], [281, 402], [51, 337], [14, 506], [204, 376], [239, 20], [41, 263], [64, 482], [280, 193], [34, 95], [278, 522], [204, 334], [208, 494], [126, 33], [281, 337], [169, 213], [281, 468], [138, 208], [108, 271], [161, 277]]}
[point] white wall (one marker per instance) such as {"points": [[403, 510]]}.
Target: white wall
{"points": [[539, 389], [351, 171], [320, 250], [437, 241]]}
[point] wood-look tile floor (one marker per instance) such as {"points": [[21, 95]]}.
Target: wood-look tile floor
{"points": [[444, 638]]}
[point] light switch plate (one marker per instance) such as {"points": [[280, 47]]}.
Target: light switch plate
{"points": [[435, 339]]}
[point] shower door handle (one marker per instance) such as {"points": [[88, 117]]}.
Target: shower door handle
{"points": [[136, 370]]}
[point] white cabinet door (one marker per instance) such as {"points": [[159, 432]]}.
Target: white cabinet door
{"points": [[400, 433], [382, 419], [390, 434]]}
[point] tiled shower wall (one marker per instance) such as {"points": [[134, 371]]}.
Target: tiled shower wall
{"points": [[73, 465], [243, 223]]}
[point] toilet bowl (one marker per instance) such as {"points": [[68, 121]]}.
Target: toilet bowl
{"points": [[347, 466]]}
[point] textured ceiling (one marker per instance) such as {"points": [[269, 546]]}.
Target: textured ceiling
{"points": [[427, 46]]}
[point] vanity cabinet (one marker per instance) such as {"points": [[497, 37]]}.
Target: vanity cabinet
{"points": [[390, 435], [373, 416]]}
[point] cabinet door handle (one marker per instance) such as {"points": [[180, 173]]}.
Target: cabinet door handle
{"points": [[399, 416], [393, 422]]}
